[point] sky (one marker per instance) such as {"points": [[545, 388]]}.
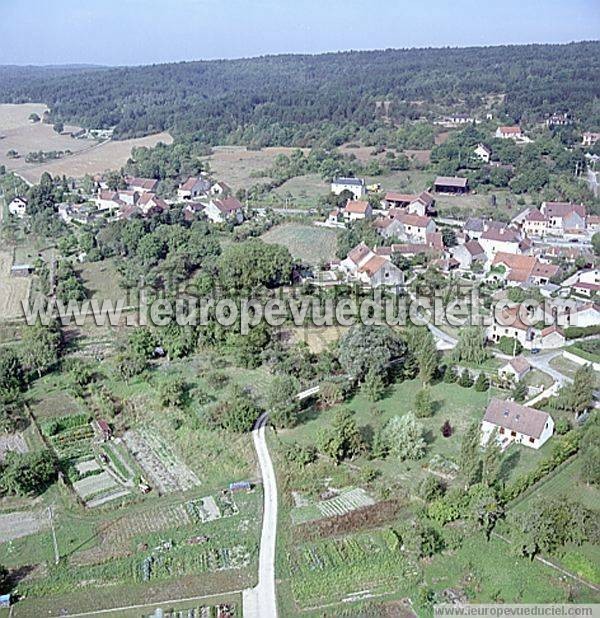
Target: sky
{"points": [[131, 32]]}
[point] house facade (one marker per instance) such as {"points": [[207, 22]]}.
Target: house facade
{"points": [[356, 186], [18, 207]]}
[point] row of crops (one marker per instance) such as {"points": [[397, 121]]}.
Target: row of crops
{"points": [[168, 562], [70, 436], [334, 568]]}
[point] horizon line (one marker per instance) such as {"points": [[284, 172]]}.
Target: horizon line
{"points": [[92, 65]]}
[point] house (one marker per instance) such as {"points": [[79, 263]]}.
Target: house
{"points": [[535, 223], [356, 186], [141, 185], [18, 206], [127, 211], [149, 203], [513, 132], [552, 337], [564, 217], [225, 209], [415, 227], [220, 188], [371, 268], [458, 119], [589, 139], [509, 322], [392, 199], [192, 210], [514, 370], [593, 223], [378, 271], [389, 227], [356, 210], [483, 152], [516, 423], [495, 239], [108, 200], [78, 213], [523, 269], [559, 120], [468, 253], [588, 275], [193, 187], [582, 288], [451, 184], [572, 313], [422, 205], [474, 227]]}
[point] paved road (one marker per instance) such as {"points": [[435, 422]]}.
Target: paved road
{"points": [[261, 602], [542, 362]]}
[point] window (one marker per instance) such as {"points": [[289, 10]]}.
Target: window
{"points": [[532, 440]]}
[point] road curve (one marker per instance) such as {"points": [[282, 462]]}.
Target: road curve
{"points": [[261, 602]]}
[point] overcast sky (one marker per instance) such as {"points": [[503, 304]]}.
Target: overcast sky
{"points": [[117, 32]]}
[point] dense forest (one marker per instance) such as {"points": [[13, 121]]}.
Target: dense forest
{"points": [[299, 99]]}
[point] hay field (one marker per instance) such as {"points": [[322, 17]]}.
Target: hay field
{"points": [[12, 289], [235, 164], [89, 157], [308, 243]]}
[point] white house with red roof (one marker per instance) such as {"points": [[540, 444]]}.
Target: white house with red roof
{"points": [[512, 422], [141, 185], [500, 239], [356, 210], [225, 209], [512, 132], [514, 370], [193, 187], [467, 254], [150, 203], [535, 223], [371, 268]]}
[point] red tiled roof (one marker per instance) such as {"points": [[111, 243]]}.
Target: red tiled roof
{"points": [[358, 207]]}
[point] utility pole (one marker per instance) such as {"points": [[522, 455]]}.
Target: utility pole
{"points": [[55, 542]]}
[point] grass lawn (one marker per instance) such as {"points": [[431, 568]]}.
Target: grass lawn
{"points": [[565, 484], [452, 402], [306, 242], [569, 368], [304, 191], [101, 279]]}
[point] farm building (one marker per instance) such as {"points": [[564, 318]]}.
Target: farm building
{"points": [[451, 184], [516, 423], [18, 207]]}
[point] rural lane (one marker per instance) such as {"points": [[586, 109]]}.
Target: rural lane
{"points": [[261, 602]]}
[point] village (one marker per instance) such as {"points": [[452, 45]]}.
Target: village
{"points": [[304, 467]]}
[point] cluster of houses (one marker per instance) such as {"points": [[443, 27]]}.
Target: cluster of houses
{"points": [[202, 197]]}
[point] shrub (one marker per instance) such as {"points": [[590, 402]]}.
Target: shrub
{"points": [[431, 488], [447, 429], [509, 345], [465, 380], [482, 383]]}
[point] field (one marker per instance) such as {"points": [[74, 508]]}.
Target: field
{"points": [[101, 279], [302, 191], [307, 243], [13, 290], [89, 157], [18, 524], [237, 165]]}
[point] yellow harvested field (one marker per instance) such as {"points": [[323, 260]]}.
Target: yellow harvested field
{"points": [[88, 156], [13, 290]]}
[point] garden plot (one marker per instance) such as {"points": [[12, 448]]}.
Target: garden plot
{"points": [[13, 290], [21, 523], [94, 485], [12, 442], [164, 469], [346, 501]]}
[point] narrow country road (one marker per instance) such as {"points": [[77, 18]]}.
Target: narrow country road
{"points": [[261, 602]]}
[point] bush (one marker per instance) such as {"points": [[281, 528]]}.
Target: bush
{"points": [[465, 380], [482, 383], [449, 374], [574, 332], [510, 346], [447, 429], [431, 488]]}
